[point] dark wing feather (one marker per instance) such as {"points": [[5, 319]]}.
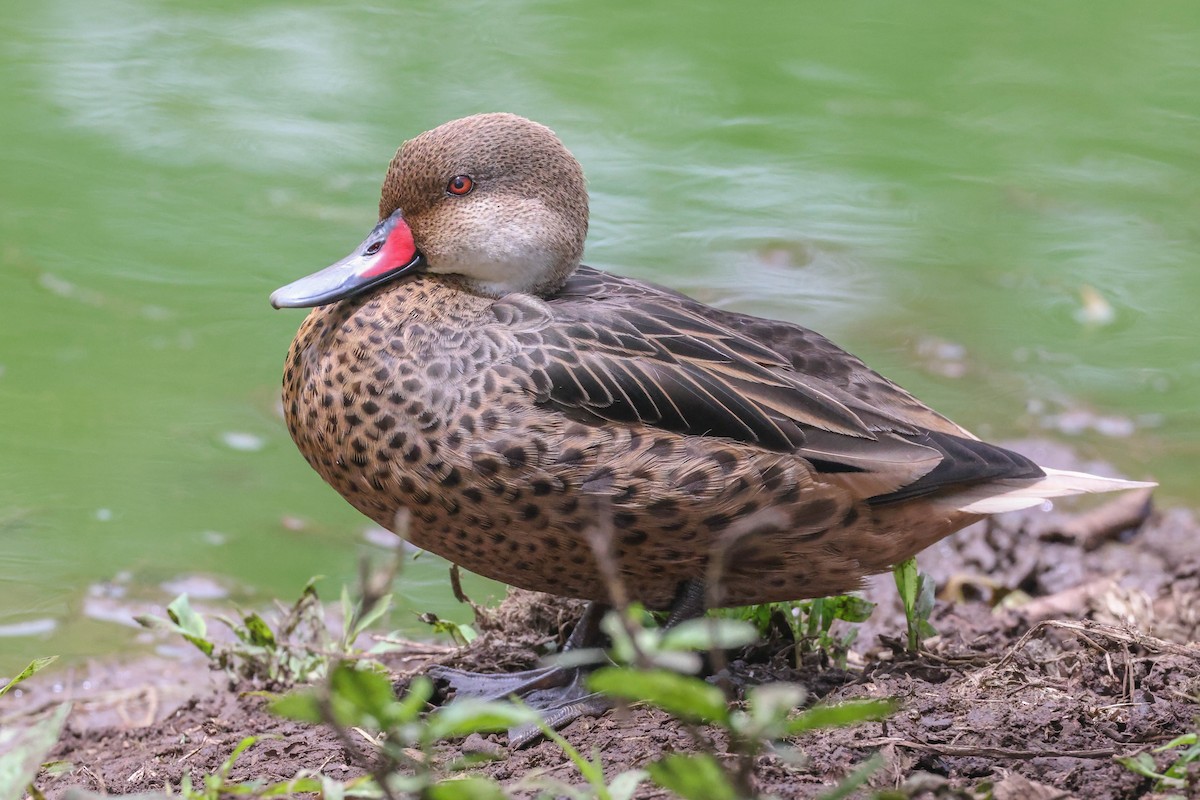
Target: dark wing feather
{"points": [[879, 403], [631, 352], [964, 462]]}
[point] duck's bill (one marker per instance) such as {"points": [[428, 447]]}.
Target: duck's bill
{"points": [[387, 253]]}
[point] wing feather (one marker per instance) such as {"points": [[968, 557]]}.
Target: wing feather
{"points": [[627, 351]]}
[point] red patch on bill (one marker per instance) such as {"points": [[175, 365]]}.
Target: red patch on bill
{"points": [[399, 250]]}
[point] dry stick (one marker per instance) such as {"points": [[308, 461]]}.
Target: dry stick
{"points": [[760, 522], [372, 591], [381, 766], [1093, 528], [600, 538], [1067, 601], [769, 519], [992, 752], [414, 649], [1110, 631]]}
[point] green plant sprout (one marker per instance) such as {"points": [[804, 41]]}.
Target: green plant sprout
{"points": [[1177, 775], [916, 593], [297, 651]]}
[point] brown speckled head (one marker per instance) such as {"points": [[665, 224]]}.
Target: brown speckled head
{"points": [[522, 224]]}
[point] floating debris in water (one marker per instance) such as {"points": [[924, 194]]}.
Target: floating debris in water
{"points": [[1080, 421], [195, 586], [32, 627], [942, 357], [1094, 309], [244, 442], [291, 523], [382, 537], [156, 313], [64, 288]]}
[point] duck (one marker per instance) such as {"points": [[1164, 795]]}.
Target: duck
{"points": [[463, 370]]}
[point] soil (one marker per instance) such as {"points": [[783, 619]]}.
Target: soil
{"points": [[1065, 639]]}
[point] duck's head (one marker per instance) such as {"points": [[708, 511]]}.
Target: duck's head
{"points": [[494, 199]]}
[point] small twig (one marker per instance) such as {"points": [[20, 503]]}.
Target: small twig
{"points": [[380, 766], [991, 752], [374, 584], [1130, 680], [1066, 602], [1083, 628], [600, 537], [197, 750], [413, 648], [763, 521], [1093, 528], [767, 520]]}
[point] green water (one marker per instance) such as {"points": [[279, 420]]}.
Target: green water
{"points": [[896, 175]]}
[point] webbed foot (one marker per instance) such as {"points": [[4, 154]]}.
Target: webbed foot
{"points": [[559, 694]]}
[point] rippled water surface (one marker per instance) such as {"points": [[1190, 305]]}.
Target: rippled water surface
{"points": [[998, 208]]}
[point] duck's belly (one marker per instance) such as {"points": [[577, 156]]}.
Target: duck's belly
{"points": [[465, 464]]}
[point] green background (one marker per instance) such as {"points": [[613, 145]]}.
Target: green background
{"points": [[934, 185]]}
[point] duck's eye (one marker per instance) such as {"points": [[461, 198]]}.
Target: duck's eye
{"points": [[373, 248], [460, 185]]}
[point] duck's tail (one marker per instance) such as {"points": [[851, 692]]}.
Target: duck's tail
{"points": [[1003, 495]]}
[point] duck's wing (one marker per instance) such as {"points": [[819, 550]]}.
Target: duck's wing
{"points": [[627, 351], [879, 403]]}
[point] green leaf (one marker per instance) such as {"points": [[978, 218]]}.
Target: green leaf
{"points": [[679, 695], [469, 715], [291, 788], [770, 705], [373, 614], [851, 712], [259, 633], [415, 699], [348, 610], [34, 667], [461, 634], [697, 777], [851, 783], [1178, 741], [1141, 764], [363, 697], [849, 607], [625, 785], [298, 705], [245, 744], [905, 574], [916, 592], [189, 624], [22, 751], [181, 613], [473, 788], [709, 633]]}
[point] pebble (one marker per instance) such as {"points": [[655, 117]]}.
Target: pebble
{"points": [[476, 744]]}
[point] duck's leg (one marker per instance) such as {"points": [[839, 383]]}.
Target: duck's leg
{"points": [[559, 694], [689, 603]]}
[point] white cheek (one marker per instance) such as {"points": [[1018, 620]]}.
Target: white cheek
{"points": [[511, 255]]}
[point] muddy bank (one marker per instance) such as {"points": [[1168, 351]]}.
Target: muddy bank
{"points": [[1064, 641]]}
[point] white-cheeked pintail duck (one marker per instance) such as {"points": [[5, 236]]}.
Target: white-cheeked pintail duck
{"points": [[462, 365]]}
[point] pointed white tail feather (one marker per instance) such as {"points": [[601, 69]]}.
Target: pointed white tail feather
{"points": [[1012, 495]]}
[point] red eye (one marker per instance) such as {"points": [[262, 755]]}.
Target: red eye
{"points": [[460, 185]]}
